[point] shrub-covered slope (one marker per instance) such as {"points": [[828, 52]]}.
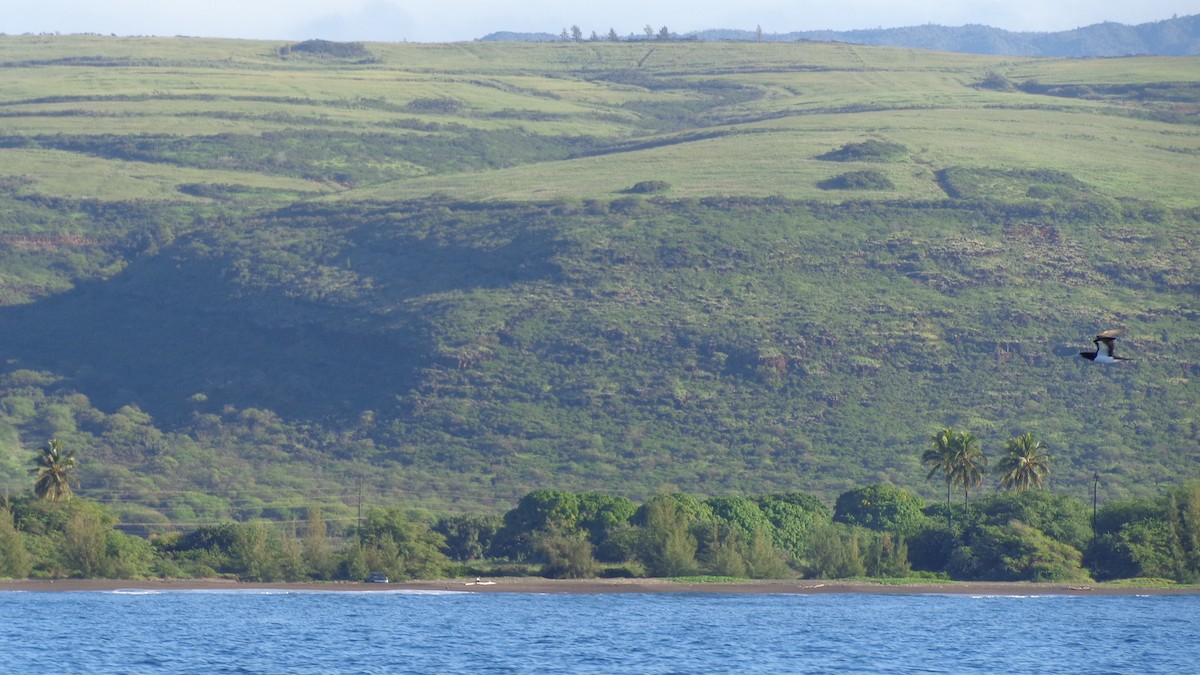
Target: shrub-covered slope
{"points": [[430, 269]]}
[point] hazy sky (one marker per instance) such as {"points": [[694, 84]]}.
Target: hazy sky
{"points": [[452, 20]]}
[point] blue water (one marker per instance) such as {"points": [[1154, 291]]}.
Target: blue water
{"points": [[412, 632]]}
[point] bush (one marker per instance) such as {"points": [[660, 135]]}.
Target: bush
{"points": [[649, 187], [996, 82], [435, 106], [858, 180], [867, 151], [341, 50]]}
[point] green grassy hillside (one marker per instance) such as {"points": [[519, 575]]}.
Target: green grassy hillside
{"points": [[240, 275]]}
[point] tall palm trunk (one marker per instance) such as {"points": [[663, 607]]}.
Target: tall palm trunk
{"points": [[949, 518]]}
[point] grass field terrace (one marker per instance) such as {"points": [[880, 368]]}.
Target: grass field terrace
{"points": [[709, 119]]}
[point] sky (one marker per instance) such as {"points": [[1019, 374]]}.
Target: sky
{"points": [[459, 20]]}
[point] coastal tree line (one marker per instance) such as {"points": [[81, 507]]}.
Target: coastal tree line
{"points": [[1018, 531]]}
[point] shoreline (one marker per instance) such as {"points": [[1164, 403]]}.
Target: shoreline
{"points": [[601, 586]]}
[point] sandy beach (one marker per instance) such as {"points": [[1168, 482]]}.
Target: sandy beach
{"points": [[600, 586]]}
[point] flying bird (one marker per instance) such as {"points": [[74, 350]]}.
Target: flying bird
{"points": [[1104, 354]]}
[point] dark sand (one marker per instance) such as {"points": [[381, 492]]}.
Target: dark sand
{"points": [[597, 586]]}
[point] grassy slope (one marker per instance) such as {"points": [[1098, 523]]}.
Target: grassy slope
{"points": [[636, 346]]}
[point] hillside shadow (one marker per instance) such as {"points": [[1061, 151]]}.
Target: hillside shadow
{"points": [[172, 326]]}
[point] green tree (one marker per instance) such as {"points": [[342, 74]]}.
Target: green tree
{"points": [[55, 468], [881, 507], [254, 555], [740, 513], [794, 517], [1183, 529], [15, 561], [939, 457], [1139, 548], [1016, 552], [600, 515], [835, 553], [1025, 464], [469, 536], [537, 512], [85, 543], [886, 556], [317, 552], [128, 556], [726, 553], [764, 560], [969, 463], [401, 547], [668, 546], [568, 555], [1062, 517]]}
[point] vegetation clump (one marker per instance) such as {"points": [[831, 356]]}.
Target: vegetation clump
{"points": [[649, 187], [867, 179], [996, 81], [1021, 533], [327, 49], [872, 150], [441, 105]]}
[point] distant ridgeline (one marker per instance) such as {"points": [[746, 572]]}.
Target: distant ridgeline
{"points": [[1178, 36]]}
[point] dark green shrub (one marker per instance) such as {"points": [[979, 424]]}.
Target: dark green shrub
{"points": [[435, 106], [649, 187], [996, 81], [867, 151], [858, 180], [329, 48]]}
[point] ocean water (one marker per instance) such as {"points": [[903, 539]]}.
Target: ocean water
{"points": [[430, 632]]}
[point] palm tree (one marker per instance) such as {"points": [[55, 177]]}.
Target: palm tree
{"points": [[969, 463], [1025, 465], [940, 458], [54, 470]]}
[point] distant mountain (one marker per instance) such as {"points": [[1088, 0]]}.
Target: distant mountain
{"points": [[513, 36], [1178, 36]]}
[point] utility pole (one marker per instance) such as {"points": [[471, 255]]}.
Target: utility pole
{"points": [[360, 533], [1095, 492]]}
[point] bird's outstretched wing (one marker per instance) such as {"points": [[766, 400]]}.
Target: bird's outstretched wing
{"points": [[1109, 338]]}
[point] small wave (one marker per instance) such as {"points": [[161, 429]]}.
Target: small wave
{"points": [[241, 591], [311, 591], [401, 592], [134, 591]]}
